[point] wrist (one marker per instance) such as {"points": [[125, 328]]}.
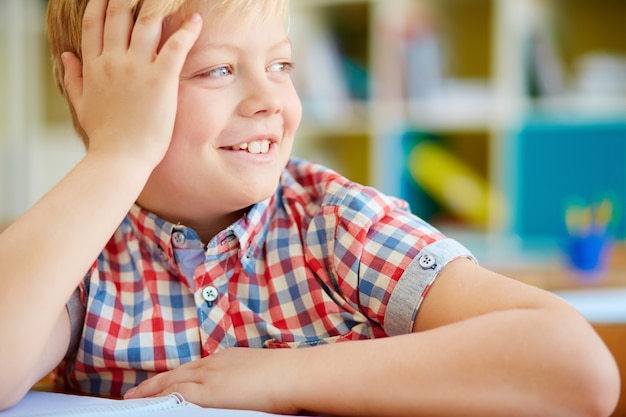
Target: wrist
{"points": [[135, 164]]}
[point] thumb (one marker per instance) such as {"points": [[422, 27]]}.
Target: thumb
{"points": [[73, 78]]}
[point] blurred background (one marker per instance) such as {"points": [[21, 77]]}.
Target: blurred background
{"points": [[502, 122]]}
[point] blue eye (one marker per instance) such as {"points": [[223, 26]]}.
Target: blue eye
{"points": [[218, 72], [284, 66]]}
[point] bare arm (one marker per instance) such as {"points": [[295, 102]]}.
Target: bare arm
{"points": [[43, 256], [47, 251], [483, 345]]}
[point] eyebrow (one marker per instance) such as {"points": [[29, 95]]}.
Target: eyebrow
{"points": [[210, 45]]}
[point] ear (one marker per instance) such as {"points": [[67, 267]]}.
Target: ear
{"points": [[73, 78]]}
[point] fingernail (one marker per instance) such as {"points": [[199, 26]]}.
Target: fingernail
{"points": [[130, 392], [194, 17]]}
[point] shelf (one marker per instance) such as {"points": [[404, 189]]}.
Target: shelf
{"points": [[588, 106], [462, 74], [469, 75], [583, 27], [453, 113]]}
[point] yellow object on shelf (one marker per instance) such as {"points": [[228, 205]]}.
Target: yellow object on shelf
{"points": [[455, 185]]}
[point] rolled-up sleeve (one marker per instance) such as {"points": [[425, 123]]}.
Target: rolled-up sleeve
{"points": [[408, 294]]}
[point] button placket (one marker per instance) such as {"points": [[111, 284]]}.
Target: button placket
{"points": [[210, 294], [163, 255]]}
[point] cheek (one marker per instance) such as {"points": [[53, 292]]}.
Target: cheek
{"points": [[294, 108], [184, 115], [195, 116]]}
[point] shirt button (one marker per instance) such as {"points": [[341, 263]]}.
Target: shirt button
{"points": [[427, 262], [178, 238], [210, 293]]}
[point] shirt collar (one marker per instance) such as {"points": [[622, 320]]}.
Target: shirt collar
{"points": [[155, 234], [252, 231], [249, 233]]}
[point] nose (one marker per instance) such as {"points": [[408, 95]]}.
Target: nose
{"points": [[261, 96]]}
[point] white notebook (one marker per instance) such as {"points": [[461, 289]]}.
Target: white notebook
{"points": [[40, 404]]}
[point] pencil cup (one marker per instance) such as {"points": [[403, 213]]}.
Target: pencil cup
{"points": [[588, 254]]}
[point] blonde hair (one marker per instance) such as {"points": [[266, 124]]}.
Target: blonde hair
{"points": [[65, 21]]}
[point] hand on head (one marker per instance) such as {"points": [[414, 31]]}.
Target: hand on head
{"points": [[125, 89]]}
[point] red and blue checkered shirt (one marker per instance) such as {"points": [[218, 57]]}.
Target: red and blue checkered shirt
{"points": [[322, 260]]}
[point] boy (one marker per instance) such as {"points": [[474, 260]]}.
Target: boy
{"points": [[214, 241]]}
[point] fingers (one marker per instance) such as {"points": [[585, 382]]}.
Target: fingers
{"points": [[164, 383], [93, 28], [110, 24], [174, 52], [106, 23], [148, 28], [192, 392], [118, 25]]}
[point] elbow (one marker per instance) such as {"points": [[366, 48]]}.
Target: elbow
{"points": [[13, 390], [585, 377], [600, 391], [9, 398], [595, 382]]}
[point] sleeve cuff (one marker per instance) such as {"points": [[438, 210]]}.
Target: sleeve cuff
{"points": [[413, 286]]}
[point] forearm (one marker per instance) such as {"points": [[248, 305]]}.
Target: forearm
{"points": [[517, 362], [46, 252]]}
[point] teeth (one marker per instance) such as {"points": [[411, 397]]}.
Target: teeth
{"points": [[255, 147]]}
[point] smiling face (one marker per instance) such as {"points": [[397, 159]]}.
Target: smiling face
{"points": [[237, 116]]}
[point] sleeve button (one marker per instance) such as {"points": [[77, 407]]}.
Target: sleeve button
{"points": [[427, 262]]}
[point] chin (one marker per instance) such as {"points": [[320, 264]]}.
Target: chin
{"points": [[259, 191], [257, 196]]}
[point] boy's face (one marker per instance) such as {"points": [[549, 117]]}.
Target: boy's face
{"points": [[238, 112]]}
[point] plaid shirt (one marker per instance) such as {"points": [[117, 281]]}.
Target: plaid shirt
{"points": [[322, 260]]}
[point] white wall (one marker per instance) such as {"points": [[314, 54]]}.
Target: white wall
{"points": [[50, 157], [34, 155]]}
